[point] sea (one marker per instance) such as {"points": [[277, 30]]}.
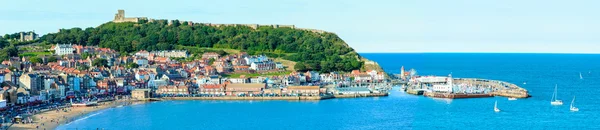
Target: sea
{"points": [[538, 73]]}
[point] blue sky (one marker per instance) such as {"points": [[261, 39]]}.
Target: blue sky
{"points": [[536, 26]]}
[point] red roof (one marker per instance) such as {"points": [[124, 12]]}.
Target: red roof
{"points": [[212, 86]]}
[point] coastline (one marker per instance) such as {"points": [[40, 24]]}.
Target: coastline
{"points": [[60, 117], [52, 119], [279, 98]]}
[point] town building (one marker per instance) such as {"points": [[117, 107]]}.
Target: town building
{"points": [[210, 55], [238, 89], [262, 66], [303, 90], [63, 49], [214, 89], [33, 82], [140, 94]]}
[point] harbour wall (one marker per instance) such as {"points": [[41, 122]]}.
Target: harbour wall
{"points": [[453, 95], [500, 88], [275, 98], [361, 95]]}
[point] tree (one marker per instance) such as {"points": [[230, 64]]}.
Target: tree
{"points": [[300, 66], [309, 48], [8, 52], [3, 42], [100, 62], [36, 60], [221, 52], [83, 67], [52, 59], [85, 55], [132, 65], [211, 61]]}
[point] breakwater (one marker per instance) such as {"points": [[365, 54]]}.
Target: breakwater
{"points": [[453, 95], [468, 88], [497, 87]]}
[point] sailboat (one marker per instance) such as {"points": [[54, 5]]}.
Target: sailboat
{"points": [[580, 77], [554, 100], [496, 107], [573, 108]]}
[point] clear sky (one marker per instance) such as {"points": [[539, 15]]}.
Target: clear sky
{"points": [[556, 26]]}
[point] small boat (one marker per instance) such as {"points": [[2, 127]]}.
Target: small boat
{"points": [[554, 100], [512, 98], [580, 76], [573, 108], [524, 82], [496, 107]]}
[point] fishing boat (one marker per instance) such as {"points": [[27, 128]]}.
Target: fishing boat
{"points": [[512, 98], [554, 100], [496, 107], [573, 108]]}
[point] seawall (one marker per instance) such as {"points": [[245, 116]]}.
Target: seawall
{"points": [[276, 98]]}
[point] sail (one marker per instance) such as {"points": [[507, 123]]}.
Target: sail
{"points": [[555, 94], [573, 102]]}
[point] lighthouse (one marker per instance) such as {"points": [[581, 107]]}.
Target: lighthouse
{"points": [[402, 73]]}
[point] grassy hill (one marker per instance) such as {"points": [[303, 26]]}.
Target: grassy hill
{"points": [[302, 49]]}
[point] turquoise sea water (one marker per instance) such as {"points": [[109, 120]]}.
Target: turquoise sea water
{"points": [[399, 110]]}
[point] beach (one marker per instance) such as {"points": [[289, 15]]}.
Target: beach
{"points": [[51, 119]]}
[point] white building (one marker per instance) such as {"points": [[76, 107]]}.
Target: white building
{"points": [[63, 49]]}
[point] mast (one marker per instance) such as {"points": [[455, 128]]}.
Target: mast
{"points": [[496, 105], [573, 101], [555, 94]]}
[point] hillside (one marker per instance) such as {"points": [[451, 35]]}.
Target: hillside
{"points": [[321, 51]]}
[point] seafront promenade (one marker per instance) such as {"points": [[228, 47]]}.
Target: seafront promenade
{"points": [[324, 97]]}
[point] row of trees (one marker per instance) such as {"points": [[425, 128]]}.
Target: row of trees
{"points": [[7, 50], [317, 51]]}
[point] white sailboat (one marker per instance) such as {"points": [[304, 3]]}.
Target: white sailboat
{"points": [[573, 108], [554, 100], [496, 107]]}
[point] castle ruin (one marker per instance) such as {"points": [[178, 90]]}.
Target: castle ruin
{"points": [[120, 17]]}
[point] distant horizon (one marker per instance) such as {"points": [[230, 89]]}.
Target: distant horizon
{"points": [[476, 53]]}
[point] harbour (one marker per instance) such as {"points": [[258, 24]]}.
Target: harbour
{"points": [[449, 87], [398, 109]]}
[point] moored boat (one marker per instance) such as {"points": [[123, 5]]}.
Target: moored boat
{"points": [[573, 108], [554, 100], [496, 107]]}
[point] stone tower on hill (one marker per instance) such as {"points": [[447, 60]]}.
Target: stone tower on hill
{"points": [[120, 17]]}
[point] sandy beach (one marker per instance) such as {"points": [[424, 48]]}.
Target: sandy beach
{"points": [[49, 120]]}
